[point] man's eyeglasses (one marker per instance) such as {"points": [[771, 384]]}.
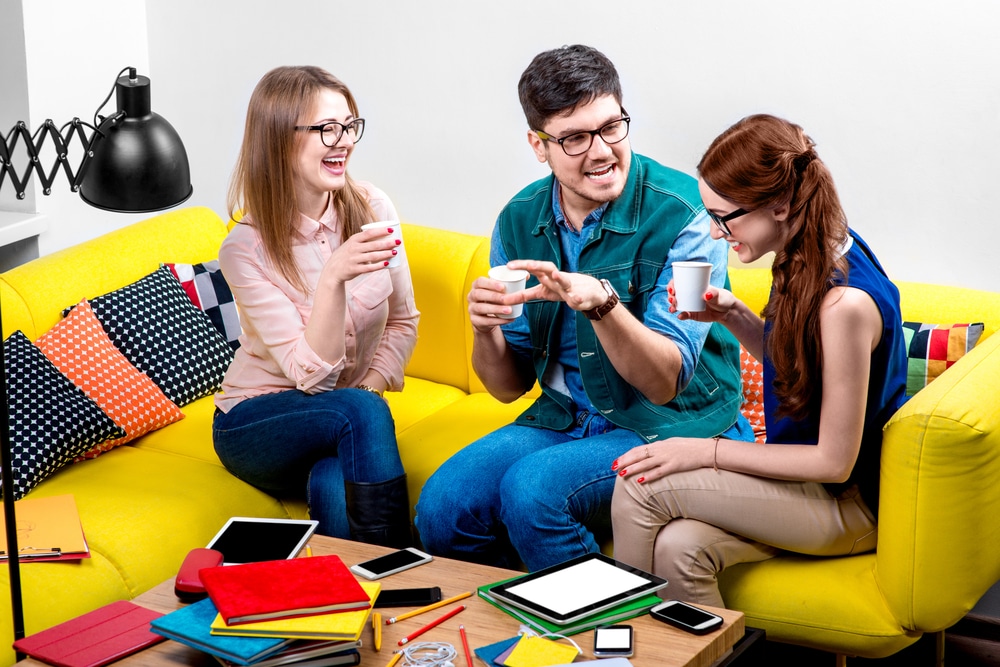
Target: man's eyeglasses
{"points": [[721, 221], [330, 133], [579, 143]]}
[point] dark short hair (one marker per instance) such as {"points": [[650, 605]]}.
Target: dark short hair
{"points": [[558, 81]]}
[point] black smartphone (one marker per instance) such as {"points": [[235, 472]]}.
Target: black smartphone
{"points": [[613, 641], [686, 617], [408, 597]]}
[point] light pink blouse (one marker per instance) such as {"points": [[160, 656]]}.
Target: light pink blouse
{"points": [[381, 318]]}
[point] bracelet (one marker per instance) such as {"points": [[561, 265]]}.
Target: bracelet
{"points": [[715, 456], [365, 387]]}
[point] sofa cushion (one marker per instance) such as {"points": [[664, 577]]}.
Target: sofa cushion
{"points": [[752, 372], [155, 325], [208, 290], [933, 348], [51, 420], [80, 349]]}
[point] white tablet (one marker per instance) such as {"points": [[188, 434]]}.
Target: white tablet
{"points": [[249, 540], [577, 588]]}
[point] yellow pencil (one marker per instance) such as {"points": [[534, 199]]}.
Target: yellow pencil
{"points": [[395, 659], [429, 607], [377, 630]]}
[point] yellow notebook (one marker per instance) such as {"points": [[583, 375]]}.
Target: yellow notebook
{"points": [[540, 652], [342, 625]]}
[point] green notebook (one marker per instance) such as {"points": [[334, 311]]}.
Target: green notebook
{"points": [[624, 611]]}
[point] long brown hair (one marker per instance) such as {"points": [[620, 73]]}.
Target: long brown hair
{"points": [[262, 185], [764, 162]]}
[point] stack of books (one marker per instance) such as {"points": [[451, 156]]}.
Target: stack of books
{"points": [[300, 612]]}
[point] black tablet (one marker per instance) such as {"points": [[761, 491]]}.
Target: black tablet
{"points": [[250, 540], [577, 588]]}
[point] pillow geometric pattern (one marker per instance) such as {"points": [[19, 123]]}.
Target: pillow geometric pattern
{"points": [[78, 347], [51, 420], [752, 372], [932, 348], [208, 290], [154, 324]]}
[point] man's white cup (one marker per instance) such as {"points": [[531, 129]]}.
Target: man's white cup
{"points": [[397, 234], [691, 283], [514, 279]]}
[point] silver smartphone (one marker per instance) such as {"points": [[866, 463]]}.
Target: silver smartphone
{"points": [[397, 561]]}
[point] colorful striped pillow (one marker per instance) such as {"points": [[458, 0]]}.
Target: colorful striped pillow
{"points": [[932, 348]]}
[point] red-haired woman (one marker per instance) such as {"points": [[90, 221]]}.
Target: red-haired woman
{"points": [[832, 347]]}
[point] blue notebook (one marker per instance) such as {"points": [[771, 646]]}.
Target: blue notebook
{"points": [[191, 625]]}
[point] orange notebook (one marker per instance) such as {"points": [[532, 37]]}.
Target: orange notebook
{"points": [[283, 589]]}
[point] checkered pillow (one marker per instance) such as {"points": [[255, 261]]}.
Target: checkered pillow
{"points": [[80, 349], [51, 420], [933, 348], [155, 325], [752, 372], [208, 290]]}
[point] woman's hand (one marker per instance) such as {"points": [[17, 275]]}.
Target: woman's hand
{"points": [[367, 251], [646, 463], [718, 303]]}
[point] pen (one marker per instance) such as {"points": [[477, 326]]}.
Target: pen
{"points": [[395, 659], [465, 645], [429, 607], [377, 630], [416, 633]]}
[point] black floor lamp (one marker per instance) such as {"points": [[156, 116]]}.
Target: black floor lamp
{"points": [[133, 162]]}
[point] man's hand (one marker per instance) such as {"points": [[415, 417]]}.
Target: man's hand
{"points": [[577, 290]]}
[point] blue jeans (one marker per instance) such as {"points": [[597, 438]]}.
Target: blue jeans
{"points": [[290, 442], [523, 494]]}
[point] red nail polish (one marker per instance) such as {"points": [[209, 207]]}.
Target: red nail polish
{"points": [[708, 296], [614, 466], [398, 242], [641, 480], [393, 252], [622, 473], [389, 229], [387, 264]]}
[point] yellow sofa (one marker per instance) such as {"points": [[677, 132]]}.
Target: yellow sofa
{"points": [[144, 505]]}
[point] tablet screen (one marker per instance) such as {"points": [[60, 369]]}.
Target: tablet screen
{"points": [[249, 540], [578, 588]]}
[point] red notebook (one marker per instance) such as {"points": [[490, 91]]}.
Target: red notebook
{"points": [[96, 638], [283, 589]]}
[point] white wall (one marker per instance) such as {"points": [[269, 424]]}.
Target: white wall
{"points": [[902, 97]]}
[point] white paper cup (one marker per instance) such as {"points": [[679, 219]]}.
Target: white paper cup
{"points": [[691, 282], [514, 279], [397, 234]]}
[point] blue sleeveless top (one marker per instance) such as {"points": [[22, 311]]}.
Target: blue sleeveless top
{"points": [[886, 384]]}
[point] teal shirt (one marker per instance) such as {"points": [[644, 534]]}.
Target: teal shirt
{"points": [[629, 248]]}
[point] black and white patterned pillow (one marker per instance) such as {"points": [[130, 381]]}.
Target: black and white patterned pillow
{"points": [[51, 420], [155, 325]]}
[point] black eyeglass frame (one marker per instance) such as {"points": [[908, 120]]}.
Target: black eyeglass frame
{"points": [[545, 136], [357, 122], [721, 221]]}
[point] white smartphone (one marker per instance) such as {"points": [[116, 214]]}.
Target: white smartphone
{"points": [[686, 617], [613, 641], [397, 561]]}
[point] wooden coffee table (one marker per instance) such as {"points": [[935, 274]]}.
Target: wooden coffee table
{"points": [[655, 643]]}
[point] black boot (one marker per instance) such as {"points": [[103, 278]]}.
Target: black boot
{"points": [[379, 512]]}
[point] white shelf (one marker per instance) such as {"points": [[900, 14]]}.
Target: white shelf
{"points": [[19, 226]]}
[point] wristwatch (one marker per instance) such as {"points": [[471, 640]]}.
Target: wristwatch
{"points": [[606, 307]]}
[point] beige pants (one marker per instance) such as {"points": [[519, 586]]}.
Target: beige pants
{"points": [[690, 526]]}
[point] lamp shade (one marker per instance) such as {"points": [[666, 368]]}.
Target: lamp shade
{"points": [[139, 163]]}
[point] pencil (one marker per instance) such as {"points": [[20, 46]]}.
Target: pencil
{"points": [[429, 607], [377, 630], [465, 645], [395, 659], [416, 633]]}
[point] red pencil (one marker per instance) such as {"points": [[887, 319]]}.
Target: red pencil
{"points": [[413, 635], [465, 644]]}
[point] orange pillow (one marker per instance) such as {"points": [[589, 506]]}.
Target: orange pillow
{"points": [[82, 351], [753, 393]]}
